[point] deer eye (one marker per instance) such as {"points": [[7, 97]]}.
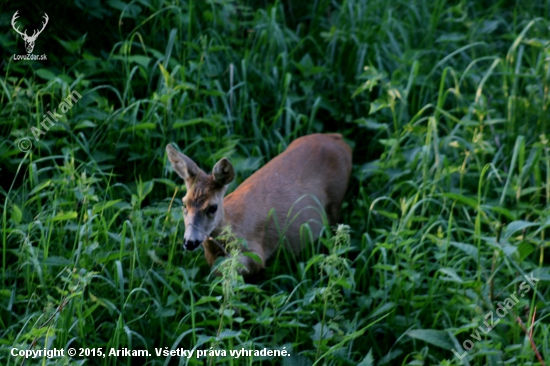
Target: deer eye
{"points": [[212, 209]]}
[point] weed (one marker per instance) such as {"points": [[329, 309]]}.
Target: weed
{"points": [[444, 103]]}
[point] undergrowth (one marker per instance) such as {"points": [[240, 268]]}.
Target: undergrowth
{"points": [[445, 105]]}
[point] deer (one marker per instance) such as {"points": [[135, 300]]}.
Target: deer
{"points": [[308, 179], [29, 40]]}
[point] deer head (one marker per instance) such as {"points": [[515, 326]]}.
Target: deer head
{"points": [[203, 204], [29, 40]]}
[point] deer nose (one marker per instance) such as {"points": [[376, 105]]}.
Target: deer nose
{"points": [[191, 244]]}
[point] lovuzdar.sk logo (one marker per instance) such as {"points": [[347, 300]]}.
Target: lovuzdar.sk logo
{"points": [[29, 40]]}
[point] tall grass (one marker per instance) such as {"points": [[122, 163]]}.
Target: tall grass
{"points": [[445, 105]]}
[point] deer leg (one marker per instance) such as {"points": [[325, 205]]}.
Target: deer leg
{"points": [[333, 213]]}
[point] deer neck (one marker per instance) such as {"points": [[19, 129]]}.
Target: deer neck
{"points": [[223, 223], [215, 248]]}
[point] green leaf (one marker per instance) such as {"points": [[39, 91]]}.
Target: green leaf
{"points": [[140, 60], [462, 199], [45, 74], [253, 255], [516, 226], [194, 121], [165, 74], [524, 250], [296, 360], [388, 142], [40, 187], [72, 46], [452, 275], [58, 261], [390, 356], [106, 257], [466, 248], [344, 283], [384, 267], [165, 312], [369, 84], [509, 215], [377, 105], [212, 93], [368, 360], [438, 338], [371, 124], [168, 182], [228, 333], [63, 216], [387, 307], [450, 37], [206, 299], [85, 124], [16, 214], [140, 126], [390, 215], [321, 333], [105, 205]]}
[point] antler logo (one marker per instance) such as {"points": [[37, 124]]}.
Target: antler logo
{"points": [[29, 40]]}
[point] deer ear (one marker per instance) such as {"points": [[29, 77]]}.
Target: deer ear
{"points": [[223, 172], [183, 165]]}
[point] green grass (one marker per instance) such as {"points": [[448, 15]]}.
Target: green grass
{"points": [[444, 103]]}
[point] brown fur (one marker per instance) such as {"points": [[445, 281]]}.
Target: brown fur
{"points": [[202, 186], [316, 165]]}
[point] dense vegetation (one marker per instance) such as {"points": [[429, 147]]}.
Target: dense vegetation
{"points": [[444, 103]]}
